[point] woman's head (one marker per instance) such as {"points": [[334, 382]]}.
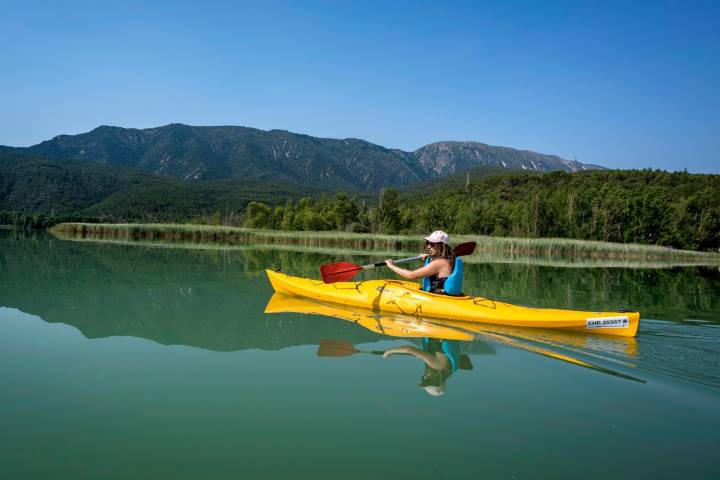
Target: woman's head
{"points": [[433, 381], [440, 250], [438, 245]]}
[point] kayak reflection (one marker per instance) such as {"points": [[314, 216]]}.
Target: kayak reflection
{"points": [[441, 339], [404, 326], [440, 344]]}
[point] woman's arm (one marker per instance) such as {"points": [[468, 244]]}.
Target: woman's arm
{"points": [[422, 272], [432, 360]]}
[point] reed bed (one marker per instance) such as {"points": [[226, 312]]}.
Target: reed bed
{"points": [[489, 249]]}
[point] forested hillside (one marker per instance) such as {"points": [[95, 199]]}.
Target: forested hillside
{"points": [[36, 192]]}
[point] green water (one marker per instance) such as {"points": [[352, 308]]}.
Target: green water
{"points": [[136, 362]]}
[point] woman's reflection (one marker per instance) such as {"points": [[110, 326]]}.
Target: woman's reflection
{"points": [[441, 357]]}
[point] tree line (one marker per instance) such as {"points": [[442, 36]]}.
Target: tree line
{"points": [[679, 209]]}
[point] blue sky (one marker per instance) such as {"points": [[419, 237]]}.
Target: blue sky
{"points": [[621, 84]]}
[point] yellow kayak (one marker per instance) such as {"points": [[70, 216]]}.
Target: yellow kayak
{"points": [[407, 298]]}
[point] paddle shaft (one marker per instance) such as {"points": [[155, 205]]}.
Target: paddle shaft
{"points": [[382, 264], [358, 268], [379, 352]]}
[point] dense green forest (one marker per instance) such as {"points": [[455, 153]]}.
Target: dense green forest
{"points": [[680, 210]]}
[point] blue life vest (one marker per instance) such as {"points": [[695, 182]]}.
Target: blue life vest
{"points": [[453, 284]]}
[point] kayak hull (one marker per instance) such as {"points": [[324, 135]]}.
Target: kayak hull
{"points": [[407, 298]]}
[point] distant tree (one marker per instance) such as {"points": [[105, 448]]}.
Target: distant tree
{"points": [[258, 215], [388, 212], [342, 211]]}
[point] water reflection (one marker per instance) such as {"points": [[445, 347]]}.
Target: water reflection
{"points": [[441, 359], [684, 294], [439, 348], [215, 300], [392, 325], [441, 340]]}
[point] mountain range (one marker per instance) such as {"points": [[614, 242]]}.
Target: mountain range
{"points": [[242, 153]]}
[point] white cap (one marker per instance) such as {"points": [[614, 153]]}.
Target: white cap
{"points": [[434, 391], [438, 236]]}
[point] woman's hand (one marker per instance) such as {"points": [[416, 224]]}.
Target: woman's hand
{"points": [[389, 263], [424, 256]]}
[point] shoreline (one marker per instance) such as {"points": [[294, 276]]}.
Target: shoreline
{"points": [[540, 251]]}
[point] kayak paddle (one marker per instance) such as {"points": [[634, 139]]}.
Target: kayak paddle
{"points": [[342, 348], [343, 271]]}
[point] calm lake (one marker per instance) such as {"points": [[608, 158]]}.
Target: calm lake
{"points": [[127, 361]]}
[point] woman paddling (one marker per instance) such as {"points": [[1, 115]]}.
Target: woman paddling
{"points": [[440, 266]]}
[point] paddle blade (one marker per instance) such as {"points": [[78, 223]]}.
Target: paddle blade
{"points": [[336, 348], [339, 271], [465, 249]]}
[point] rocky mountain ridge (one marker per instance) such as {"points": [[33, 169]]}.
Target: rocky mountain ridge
{"points": [[231, 152]]}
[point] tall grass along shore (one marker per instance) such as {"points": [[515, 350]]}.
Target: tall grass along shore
{"points": [[498, 249]]}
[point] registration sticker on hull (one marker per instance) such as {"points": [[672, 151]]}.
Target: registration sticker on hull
{"points": [[621, 321]]}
